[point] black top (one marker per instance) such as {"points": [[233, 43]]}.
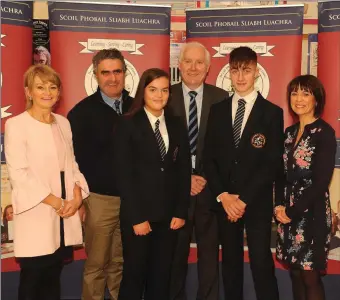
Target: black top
{"points": [[319, 142], [93, 123], [151, 189]]}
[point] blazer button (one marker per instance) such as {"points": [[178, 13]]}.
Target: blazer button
{"points": [[162, 169], [235, 162]]}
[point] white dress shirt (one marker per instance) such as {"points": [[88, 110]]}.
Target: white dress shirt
{"points": [[199, 101], [162, 126], [250, 100]]}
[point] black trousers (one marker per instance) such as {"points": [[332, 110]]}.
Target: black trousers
{"points": [[40, 283], [147, 262], [40, 275], [258, 231], [204, 221]]}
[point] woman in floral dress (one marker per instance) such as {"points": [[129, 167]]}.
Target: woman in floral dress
{"points": [[305, 214]]}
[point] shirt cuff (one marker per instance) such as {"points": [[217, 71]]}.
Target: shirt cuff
{"points": [[218, 197]]}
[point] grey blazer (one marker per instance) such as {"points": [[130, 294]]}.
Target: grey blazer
{"points": [[211, 95]]}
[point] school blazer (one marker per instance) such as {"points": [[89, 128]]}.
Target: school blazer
{"points": [[250, 170], [151, 189], [34, 173]]}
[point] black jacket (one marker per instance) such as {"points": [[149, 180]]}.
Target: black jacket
{"points": [[151, 189], [250, 170], [93, 123]]}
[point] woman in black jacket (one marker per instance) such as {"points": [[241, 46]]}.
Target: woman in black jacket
{"points": [[152, 160]]}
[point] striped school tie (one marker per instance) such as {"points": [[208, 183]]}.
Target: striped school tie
{"points": [[193, 122], [160, 141], [238, 121]]}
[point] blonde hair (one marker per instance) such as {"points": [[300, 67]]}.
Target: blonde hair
{"points": [[45, 73]]}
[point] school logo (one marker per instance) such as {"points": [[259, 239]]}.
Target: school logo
{"points": [[262, 83], [258, 140], [131, 80]]}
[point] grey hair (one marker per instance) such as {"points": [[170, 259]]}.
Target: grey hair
{"points": [[107, 54], [195, 45], [44, 51]]}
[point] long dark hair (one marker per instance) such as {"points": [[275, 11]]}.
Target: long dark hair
{"points": [[4, 216], [148, 76]]}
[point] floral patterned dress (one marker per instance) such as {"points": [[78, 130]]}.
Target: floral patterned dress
{"points": [[309, 165]]}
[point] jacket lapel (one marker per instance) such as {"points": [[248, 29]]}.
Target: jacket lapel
{"points": [[147, 132], [228, 123], [206, 103], [254, 117], [67, 146], [177, 104], [127, 101], [171, 129]]}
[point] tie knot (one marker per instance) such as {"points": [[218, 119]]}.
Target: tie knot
{"points": [[117, 103], [157, 123], [241, 102], [192, 94], [117, 106]]}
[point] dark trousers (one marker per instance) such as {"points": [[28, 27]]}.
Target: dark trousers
{"points": [[40, 283], [147, 262], [40, 275], [204, 222], [258, 231]]}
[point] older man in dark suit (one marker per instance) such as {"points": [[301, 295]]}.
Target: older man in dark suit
{"points": [[191, 100], [242, 160]]}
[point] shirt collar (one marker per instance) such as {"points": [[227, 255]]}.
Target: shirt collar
{"points": [[250, 98], [186, 90], [152, 118], [108, 100]]}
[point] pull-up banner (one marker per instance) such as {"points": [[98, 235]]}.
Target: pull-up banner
{"points": [[79, 30], [16, 55], [329, 60], [329, 74], [275, 33]]}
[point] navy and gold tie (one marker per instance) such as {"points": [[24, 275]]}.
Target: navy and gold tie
{"points": [[193, 123], [160, 141], [241, 107]]}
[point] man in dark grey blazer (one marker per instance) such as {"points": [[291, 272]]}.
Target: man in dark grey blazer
{"points": [[191, 100]]}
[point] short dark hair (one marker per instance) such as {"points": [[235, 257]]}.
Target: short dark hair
{"points": [[112, 53], [242, 56], [147, 77], [311, 84]]}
